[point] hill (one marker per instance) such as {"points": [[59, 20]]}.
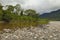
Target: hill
{"points": [[54, 15]]}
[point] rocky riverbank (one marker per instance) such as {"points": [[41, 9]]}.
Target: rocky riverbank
{"points": [[33, 33]]}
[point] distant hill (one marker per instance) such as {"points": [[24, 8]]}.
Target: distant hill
{"points": [[54, 15]]}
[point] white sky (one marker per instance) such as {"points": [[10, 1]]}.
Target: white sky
{"points": [[41, 6]]}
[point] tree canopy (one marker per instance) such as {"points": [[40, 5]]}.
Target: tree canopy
{"points": [[16, 15]]}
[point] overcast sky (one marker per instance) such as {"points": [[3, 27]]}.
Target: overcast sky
{"points": [[40, 6]]}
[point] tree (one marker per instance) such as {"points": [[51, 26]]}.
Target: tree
{"points": [[18, 9], [6, 16], [10, 8], [1, 11], [21, 12], [1, 6], [30, 12]]}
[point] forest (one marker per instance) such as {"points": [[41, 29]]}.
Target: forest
{"points": [[15, 16]]}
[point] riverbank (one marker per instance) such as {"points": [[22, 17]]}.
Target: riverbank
{"points": [[48, 32]]}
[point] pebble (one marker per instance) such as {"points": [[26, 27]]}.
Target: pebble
{"points": [[31, 34]]}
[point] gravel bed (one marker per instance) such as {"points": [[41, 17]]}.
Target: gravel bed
{"points": [[33, 33]]}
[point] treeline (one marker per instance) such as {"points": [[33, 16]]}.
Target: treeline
{"points": [[16, 16]]}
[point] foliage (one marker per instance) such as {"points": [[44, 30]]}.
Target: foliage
{"points": [[30, 12], [22, 20]]}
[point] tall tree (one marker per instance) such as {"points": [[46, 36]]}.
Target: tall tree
{"points": [[10, 8], [7, 14], [1, 6], [18, 9], [30, 12], [22, 11], [1, 11]]}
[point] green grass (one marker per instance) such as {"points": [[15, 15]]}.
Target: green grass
{"points": [[23, 21]]}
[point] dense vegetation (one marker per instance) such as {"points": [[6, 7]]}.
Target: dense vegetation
{"points": [[15, 16], [54, 15]]}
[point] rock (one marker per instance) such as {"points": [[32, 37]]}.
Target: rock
{"points": [[7, 30], [33, 33]]}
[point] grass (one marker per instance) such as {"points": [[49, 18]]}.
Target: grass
{"points": [[12, 25], [23, 21]]}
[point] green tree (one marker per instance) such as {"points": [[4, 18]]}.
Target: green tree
{"points": [[1, 6], [22, 12], [8, 13], [10, 8], [7, 17], [1, 11], [30, 12]]}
